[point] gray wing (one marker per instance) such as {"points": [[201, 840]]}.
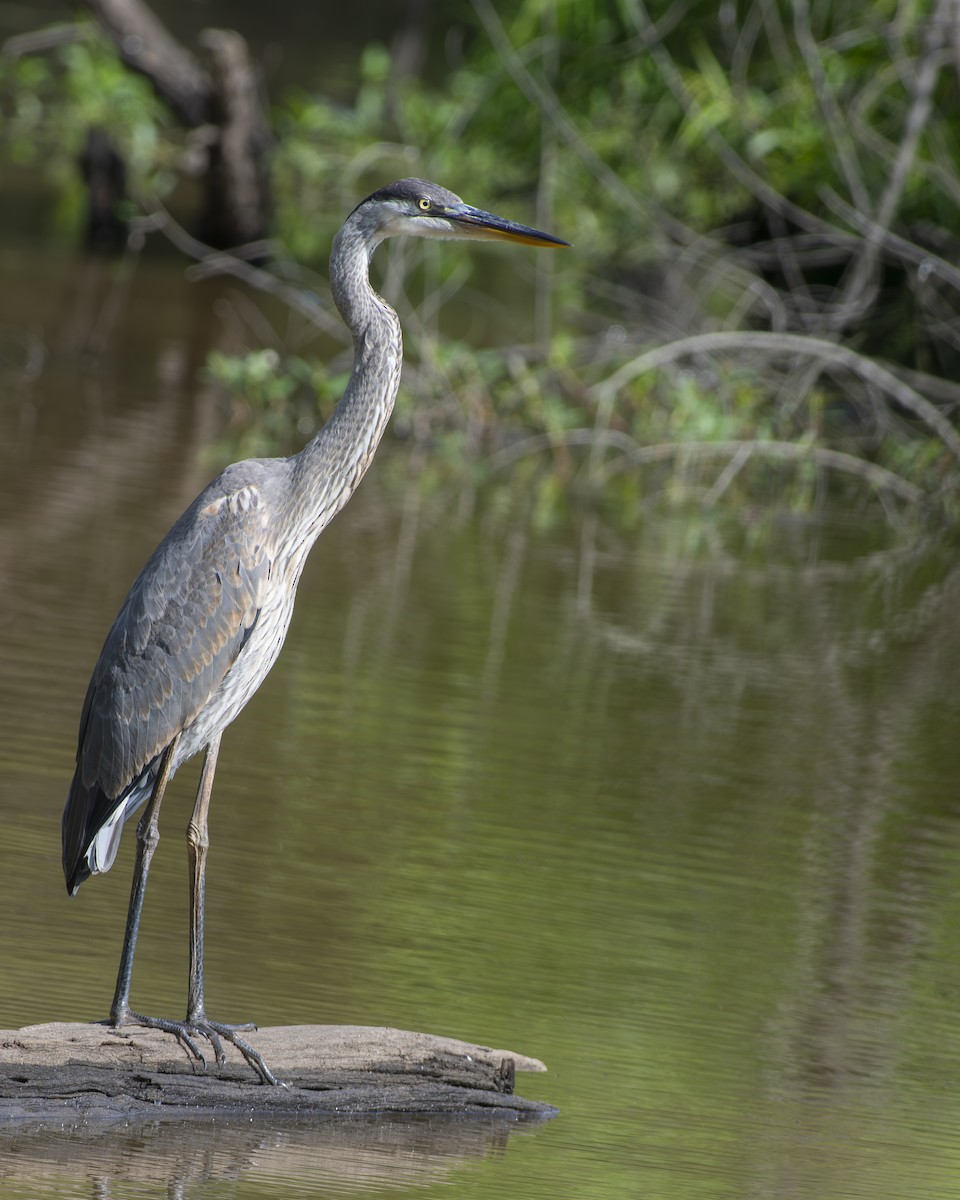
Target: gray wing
{"points": [[179, 631]]}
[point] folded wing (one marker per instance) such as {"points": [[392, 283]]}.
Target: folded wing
{"points": [[181, 629]]}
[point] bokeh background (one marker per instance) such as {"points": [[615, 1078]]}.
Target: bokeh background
{"points": [[617, 723]]}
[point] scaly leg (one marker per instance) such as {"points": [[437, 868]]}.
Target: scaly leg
{"points": [[198, 841], [148, 835]]}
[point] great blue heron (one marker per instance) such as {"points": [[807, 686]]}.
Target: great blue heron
{"points": [[207, 616]]}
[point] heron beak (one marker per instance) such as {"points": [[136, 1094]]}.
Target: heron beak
{"points": [[484, 226]]}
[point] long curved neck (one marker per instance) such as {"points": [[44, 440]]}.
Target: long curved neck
{"points": [[328, 469]]}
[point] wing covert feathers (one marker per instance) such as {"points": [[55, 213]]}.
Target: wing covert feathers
{"points": [[179, 631]]}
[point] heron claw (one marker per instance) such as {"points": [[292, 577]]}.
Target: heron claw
{"points": [[185, 1040], [187, 1032]]}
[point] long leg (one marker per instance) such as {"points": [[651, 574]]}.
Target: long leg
{"points": [[198, 842], [148, 834]]}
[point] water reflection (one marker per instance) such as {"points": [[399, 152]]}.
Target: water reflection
{"points": [[675, 814], [351, 1156]]}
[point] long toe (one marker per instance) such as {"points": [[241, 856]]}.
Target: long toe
{"points": [[216, 1033], [214, 1030], [183, 1031]]}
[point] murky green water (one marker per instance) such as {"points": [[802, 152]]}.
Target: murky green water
{"points": [[676, 817]]}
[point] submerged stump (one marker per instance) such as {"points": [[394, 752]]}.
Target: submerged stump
{"points": [[96, 1072]]}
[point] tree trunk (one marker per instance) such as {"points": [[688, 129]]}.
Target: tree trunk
{"points": [[222, 95]]}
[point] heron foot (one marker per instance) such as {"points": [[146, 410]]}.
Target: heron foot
{"points": [[189, 1032]]}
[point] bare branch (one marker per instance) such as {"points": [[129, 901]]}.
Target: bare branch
{"points": [[40, 40], [220, 262], [738, 451], [546, 100], [741, 171], [955, 33], [859, 292], [145, 44], [779, 344], [927, 262], [839, 132]]}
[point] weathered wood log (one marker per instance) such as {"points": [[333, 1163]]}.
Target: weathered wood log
{"points": [[105, 174], [146, 45], [220, 98], [96, 1073], [238, 188]]}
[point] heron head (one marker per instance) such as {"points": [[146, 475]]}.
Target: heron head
{"points": [[421, 209]]}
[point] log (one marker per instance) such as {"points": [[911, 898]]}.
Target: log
{"points": [[220, 98], [146, 45], [238, 188], [105, 174], [91, 1074]]}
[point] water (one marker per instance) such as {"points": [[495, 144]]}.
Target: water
{"points": [[673, 813]]}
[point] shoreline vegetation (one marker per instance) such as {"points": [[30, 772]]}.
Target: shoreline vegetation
{"points": [[761, 306]]}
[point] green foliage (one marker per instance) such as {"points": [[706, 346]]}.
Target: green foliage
{"points": [[656, 146], [48, 106], [277, 401]]}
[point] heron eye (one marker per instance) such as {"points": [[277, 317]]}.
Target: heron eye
{"points": [[424, 204]]}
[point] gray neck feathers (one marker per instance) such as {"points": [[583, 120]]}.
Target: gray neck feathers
{"points": [[328, 469]]}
